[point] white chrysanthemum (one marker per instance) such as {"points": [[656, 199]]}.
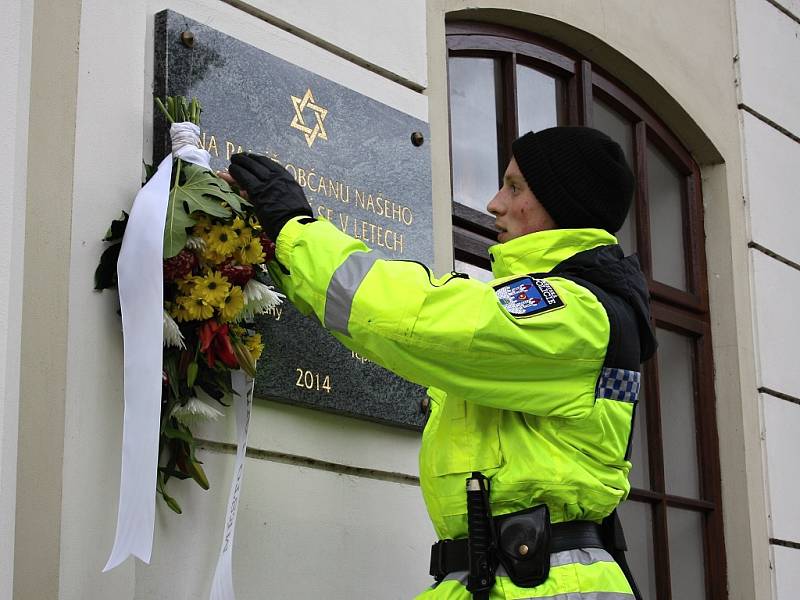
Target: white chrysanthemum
{"points": [[195, 411], [172, 333], [258, 299], [196, 244]]}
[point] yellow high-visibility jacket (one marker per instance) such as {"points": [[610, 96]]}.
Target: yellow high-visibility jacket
{"points": [[520, 372]]}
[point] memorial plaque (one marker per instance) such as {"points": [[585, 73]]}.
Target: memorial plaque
{"points": [[362, 167]]}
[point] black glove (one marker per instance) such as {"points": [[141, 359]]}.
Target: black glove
{"points": [[275, 194]]}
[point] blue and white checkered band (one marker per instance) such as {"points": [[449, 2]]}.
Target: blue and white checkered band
{"points": [[619, 384]]}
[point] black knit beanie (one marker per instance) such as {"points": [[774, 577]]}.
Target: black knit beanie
{"points": [[579, 175]]}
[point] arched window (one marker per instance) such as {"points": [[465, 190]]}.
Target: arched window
{"points": [[505, 82]]}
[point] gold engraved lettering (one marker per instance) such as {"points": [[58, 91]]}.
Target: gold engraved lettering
{"points": [[360, 198], [275, 311], [396, 212], [312, 380], [291, 168], [329, 189], [311, 185], [230, 148], [407, 219], [203, 140], [344, 220], [301, 177], [212, 146], [358, 357], [346, 197]]}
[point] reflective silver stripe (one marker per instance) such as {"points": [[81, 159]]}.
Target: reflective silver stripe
{"points": [[460, 576], [342, 288], [584, 596], [583, 556]]}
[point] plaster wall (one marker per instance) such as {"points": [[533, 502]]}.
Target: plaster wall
{"points": [[15, 67], [769, 75]]}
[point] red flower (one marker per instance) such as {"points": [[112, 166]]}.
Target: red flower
{"points": [[215, 343]]}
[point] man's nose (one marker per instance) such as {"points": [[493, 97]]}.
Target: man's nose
{"points": [[494, 204]]}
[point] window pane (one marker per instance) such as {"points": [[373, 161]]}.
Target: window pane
{"points": [[665, 185], [537, 100], [474, 97], [675, 376], [473, 271], [686, 559], [620, 130], [640, 457], [637, 522]]}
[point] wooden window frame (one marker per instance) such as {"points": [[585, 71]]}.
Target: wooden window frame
{"points": [[686, 312]]}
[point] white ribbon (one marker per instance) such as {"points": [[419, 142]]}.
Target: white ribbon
{"points": [[141, 297], [222, 586]]}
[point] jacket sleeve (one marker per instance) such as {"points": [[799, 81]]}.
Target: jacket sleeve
{"points": [[451, 333]]}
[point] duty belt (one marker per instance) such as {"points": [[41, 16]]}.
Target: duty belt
{"points": [[448, 556]]}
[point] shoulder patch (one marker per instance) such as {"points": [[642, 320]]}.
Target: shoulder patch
{"points": [[526, 297]]}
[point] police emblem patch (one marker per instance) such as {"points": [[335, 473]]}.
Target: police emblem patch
{"points": [[526, 297]]}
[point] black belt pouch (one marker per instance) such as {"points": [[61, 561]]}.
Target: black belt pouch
{"points": [[523, 540]]}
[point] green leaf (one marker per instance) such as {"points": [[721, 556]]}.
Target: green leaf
{"points": [[191, 374], [200, 190], [171, 367], [171, 502], [177, 434], [149, 171], [174, 473], [175, 235], [198, 474]]}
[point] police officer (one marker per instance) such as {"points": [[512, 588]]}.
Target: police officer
{"points": [[533, 378]]}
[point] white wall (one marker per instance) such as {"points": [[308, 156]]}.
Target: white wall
{"points": [[15, 66], [303, 531], [769, 65]]}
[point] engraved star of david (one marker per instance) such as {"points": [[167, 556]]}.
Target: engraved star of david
{"points": [[300, 104]]}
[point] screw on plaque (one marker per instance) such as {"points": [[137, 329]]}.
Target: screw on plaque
{"points": [[187, 39], [417, 138]]}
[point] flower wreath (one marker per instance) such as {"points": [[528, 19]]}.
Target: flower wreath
{"points": [[214, 252]]}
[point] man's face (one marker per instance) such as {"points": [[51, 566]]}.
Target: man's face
{"points": [[517, 211]]}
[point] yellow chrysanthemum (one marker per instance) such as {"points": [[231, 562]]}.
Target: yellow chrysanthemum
{"points": [[232, 304], [253, 253], [177, 311], [222, 239], [203, 227], [196, 308], [186, 285], [212, 257], [254, 345], [243, 232], [253, 222], [212, 287], [237, 330]]}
